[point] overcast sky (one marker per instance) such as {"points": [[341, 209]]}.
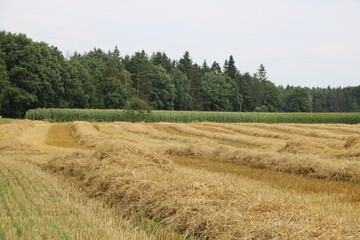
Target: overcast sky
{"points": [[300, 42]]}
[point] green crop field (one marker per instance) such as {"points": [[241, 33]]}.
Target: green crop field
{"points": [[97, 115], [5, 120]]}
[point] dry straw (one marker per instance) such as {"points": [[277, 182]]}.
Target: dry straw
{"points": [[9, 137], [295, 155], [303, 164], [141, 183]]}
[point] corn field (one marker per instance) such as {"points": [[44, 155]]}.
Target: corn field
{"points": [[98, 115]]}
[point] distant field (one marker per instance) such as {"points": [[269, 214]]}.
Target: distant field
{"points": [[197, 180], [95, 115], [5, 120]]}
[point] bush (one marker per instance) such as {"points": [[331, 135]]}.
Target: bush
{"points": [[263, 108], [137, 110]]}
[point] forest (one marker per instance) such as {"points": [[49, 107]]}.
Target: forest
{"points": [[37, 75]]}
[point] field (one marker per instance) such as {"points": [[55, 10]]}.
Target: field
{"points": [[121, 180], [5, 120], [111, 115]]}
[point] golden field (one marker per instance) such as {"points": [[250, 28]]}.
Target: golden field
{"points": [[124, 180]]}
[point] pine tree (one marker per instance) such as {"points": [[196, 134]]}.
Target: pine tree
{"points": [[230, 68], [194, 74], [116, 52], [205, 68], [160, 58], [215, 68], [139, 66], [261, 73], [185, 64]]}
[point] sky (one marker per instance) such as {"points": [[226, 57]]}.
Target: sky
{"points": [[312, 43]]}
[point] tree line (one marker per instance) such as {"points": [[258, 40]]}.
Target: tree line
{"points": [[36, 75]]}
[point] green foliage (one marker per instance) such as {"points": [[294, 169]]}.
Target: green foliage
{"points": [[261, 73], [185, 64], [114, 93], [271, 97], [244, 82], [230, 68], [160, 89], [94, 115], [137, 110], [20, 93], [215, 91], [263, 108], [194, 73], [138, 65], [355, 106], [78, 88], [36, 75], [215, 67], [161, 59], [111, 81], [205, 68], [4, 83], [335, 99], [183, 98], [261, 92], [298, 100]]}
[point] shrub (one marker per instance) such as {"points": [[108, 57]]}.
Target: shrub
{"points": [[137, 110]]}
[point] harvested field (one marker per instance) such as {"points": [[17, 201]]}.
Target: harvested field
{"points": [[198, 180], [34, 205]]}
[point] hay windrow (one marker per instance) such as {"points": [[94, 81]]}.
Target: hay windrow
{"points": [[352, 142], [302, 164], [300, 146], [143, 184], [294, 155], [10, 134], [14, 130], [239, 138], [87, 134], [12, 146]]}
